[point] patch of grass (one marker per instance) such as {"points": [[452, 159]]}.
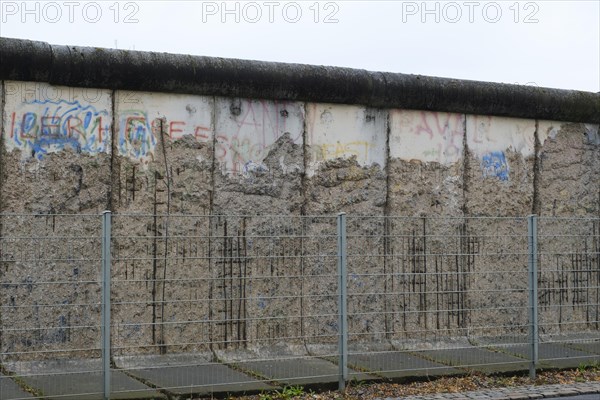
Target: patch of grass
{"points": [[287, 393], [355, 383], [593, 366]]}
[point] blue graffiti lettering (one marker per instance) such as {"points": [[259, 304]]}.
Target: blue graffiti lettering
{"points": [[136, 138], [61, 125], [494, 165]]}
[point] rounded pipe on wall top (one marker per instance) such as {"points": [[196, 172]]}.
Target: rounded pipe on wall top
{"points": [[26, 60]]}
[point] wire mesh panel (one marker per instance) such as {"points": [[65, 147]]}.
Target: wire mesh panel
{"points": [[436, 294], [157, 258], [212, 304], [569, 290], [204, 302], [50, 306]]}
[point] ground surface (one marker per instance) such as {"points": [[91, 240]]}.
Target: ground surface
{"points": [[475, 382]]}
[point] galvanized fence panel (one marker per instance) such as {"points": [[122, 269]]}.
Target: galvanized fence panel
{"points": [[50, 306], [569, 290], [436, 295], [199, 304]]}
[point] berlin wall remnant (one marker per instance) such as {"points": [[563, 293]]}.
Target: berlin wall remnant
{"points": [[146, 71], [174, 157]]}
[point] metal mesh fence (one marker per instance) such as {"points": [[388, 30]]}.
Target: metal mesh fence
{"points": [[202, 303], [50, 305], [436, 294], [216, 304], [569, 290]]}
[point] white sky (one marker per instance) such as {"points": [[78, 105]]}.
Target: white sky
{"points": [[547, 43]]}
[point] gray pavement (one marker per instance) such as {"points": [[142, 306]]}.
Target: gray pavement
{"points": [[137, 377], [397, 364], [200, 380], [76, 379], [10, 390], [554, 355], [477, 359], [88, 386], [593, 347], [301, 371]]}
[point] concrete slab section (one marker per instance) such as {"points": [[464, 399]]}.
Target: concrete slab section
{"points": [[88, 386], [553, 355], [501, 340], [593, 347], [301, 371], [9, 390], [78, 379], [200, 379], [478, 359], [394, 364]]}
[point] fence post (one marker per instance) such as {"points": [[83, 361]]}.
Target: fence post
{"points": [[533, 292], [106, 261], [342, 301]]}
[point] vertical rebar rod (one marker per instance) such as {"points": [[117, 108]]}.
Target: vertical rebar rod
{"points": [[106, 261], [342, 301], [533, 293]]}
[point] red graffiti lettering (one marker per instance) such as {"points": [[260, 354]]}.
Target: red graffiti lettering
{"points": [[12, 125], [173, 130], [198, 132], [74, 125], [101, 129]]}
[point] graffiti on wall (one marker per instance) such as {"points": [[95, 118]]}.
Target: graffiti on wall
{"points": [[136, 136], [490, 138], [138, 133], [328, 151], [426, 136], [39, 127], [143, 116], [344, 131], [247, 130], [494, 165], [487, 134], [447, 127]]}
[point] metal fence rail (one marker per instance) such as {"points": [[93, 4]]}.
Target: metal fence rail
{"points": [[145, 306], [50, 304], [232, 298], [569, 289], [441, 295]]}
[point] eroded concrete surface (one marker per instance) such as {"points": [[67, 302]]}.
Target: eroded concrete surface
{"points": [[190, 277]]}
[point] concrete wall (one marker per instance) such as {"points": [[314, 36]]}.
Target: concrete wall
{"points": [[82, 150]]}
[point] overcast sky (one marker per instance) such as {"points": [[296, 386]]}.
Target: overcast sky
{"points": [[544, 43]]}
